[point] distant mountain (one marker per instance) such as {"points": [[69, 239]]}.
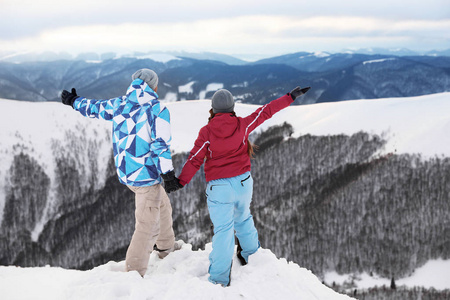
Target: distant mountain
{"points": [[228, 59], [397, 52], [333, 77], [320, 61], [92, 56], [388, 77], [439, 53], [242, 59], [336, 77], [180, 79], [385, 51]]}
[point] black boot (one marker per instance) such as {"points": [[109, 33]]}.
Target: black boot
{"points": [[239, 255]]}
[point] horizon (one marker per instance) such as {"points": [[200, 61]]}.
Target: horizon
{"points": [[248, 58]]}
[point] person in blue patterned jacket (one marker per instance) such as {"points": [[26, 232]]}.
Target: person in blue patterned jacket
{"points": [[141, 144]]}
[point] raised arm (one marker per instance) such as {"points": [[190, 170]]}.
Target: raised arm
{"points": [[267, 111], [91, 108]]}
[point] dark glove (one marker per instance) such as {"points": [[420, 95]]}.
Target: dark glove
{"points": [[297, 92], [68, 98], [171, 183]]}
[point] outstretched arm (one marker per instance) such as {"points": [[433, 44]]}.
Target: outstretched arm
{"points": [[91, 108], [267, 111]]}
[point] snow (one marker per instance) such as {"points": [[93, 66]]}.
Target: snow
{"points": [[410, 125], [170, 97], [243, 84], [187, 88], [377, 60], [159, 57], [31, 127], [321, 54], [181, 275], [434, 274], [211, 87], [17, 54]]}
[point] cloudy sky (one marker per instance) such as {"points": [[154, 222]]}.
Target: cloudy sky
{"points": [[236, 27]]}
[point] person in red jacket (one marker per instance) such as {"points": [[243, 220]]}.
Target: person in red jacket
{"points": [[224, 147]]}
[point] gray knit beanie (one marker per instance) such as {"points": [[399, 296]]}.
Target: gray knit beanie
{"points": [[148, 76], [222, 101]]}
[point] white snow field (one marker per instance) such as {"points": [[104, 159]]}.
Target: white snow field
{"points": [[183, 274], [410, 125]]}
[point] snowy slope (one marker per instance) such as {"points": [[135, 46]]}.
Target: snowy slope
{"points": [[411, 125], [434, 274], [33, 128], [181, 275]]}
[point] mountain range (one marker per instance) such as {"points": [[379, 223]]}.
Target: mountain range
{"points": [[188, 76]]}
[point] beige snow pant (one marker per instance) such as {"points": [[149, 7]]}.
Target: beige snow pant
{"points": [[153, 225]]}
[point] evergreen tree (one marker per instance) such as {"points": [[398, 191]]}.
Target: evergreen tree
{"points": [[393, 286]]}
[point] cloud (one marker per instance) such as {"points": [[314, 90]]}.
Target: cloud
{"points": [[241, 34]]}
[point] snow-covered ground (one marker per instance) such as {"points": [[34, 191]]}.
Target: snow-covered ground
{"points": [[434, 274], [410, 125], [181, 275], [377, 60], [184, 275]]}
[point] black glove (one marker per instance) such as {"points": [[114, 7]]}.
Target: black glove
{"points": [[68, 98], [171, 183], [297, 92]]}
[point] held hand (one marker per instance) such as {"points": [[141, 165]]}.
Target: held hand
{"points": [[68, 98], [297, 92], [171, 183]]}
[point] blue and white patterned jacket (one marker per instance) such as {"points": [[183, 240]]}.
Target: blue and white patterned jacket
{"points": [[141, 133]]}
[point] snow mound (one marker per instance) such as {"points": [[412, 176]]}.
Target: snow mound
{"points": [[181, 275]]}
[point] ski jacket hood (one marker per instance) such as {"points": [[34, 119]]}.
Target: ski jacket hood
{"points": [[139, 93], [140, 133], [223, 125]]}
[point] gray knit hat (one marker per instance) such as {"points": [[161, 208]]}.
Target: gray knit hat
{"points": [[222, 101], [148, 76]]}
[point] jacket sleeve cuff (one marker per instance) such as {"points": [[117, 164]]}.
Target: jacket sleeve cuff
{"points": [[289, 94]]}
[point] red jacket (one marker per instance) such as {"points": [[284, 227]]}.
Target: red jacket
{"points": [[223, 143]]}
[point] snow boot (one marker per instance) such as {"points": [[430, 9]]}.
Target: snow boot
{"points": [[239, 255], [163, 253]]}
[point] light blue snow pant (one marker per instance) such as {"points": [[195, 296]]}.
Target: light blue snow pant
{"points": [[229, 208]]}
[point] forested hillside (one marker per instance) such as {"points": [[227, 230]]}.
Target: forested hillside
{"points": [[343, 202]]}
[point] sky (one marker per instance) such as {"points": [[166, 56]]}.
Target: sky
{"points": [[234, 27]]}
